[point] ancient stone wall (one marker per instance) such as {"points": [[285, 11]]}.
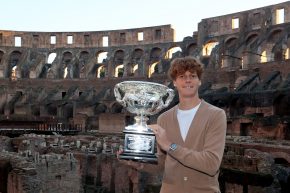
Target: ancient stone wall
{"points": [[149, 35]]}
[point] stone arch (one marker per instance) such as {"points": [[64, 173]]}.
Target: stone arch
{"points": [[135, 69], [119, 57], [154, 69], [231, 56], [101, 71], [264, 54], [278, 52], [119, 70], [84, 57], [67, 57], [83, 60], [101, 56], [285, 47], [277, 49], [250, 56], [48, 64], [191, 49], [136, 61], [67, 67], [266, 48], [51, 57], [173, 52], [275, 35], [13, 63], [208, 47], [137, 55], [251, 38], [1, 56], [231, 41], [155, 54]]}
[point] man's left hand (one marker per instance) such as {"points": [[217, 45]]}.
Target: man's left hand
{"points": [[161, 137]]}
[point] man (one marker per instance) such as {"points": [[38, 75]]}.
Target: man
{"points": [[190, 136]]}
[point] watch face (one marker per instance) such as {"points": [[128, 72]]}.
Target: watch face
{"points": [[173, 146]]}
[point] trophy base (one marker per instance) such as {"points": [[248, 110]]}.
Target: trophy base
{"points": [[140, 147], [139, 158]]}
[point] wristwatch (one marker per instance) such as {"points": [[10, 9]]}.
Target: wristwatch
{"points": [[173, 147]]}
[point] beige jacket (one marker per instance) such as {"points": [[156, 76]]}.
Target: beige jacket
{"points": [[193, 167]]}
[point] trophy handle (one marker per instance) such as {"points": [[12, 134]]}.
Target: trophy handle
{"points": [[119, 95], [169, 98]]}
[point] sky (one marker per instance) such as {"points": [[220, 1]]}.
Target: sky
{"points": [[101, 15]]}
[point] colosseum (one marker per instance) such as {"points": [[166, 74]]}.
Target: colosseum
{"points": [[61, 125]]}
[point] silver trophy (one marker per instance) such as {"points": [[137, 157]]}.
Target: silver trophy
{"points": [[141, 98]]}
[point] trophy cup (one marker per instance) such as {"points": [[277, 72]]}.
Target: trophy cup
{"points": [[141, 98]]}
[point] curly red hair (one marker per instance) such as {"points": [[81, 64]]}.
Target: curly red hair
{"points": [[180, 65]]}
